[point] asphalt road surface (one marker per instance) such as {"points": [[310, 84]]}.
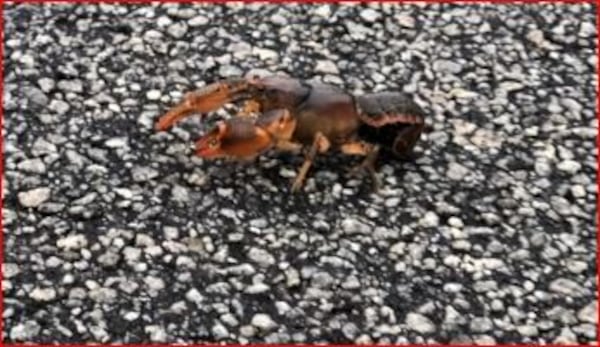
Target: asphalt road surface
{"points": [[116, 233]]}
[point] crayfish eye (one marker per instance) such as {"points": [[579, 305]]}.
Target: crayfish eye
{"points": [[213, 143]]}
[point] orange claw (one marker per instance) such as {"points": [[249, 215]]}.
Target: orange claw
{"points": [[204, 100], [235, 138], [174, 115]]}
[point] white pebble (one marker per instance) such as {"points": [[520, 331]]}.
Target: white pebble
{"points": [[569, 166], [153, 94], [34, 197], [263, 321]]}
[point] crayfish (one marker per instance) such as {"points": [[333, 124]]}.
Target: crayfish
{"points": [[290, 114]]}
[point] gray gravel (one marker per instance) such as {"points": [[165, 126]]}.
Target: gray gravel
{"points": [[115, 233]]}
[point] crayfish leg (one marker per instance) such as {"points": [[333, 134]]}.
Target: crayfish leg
{"points": [[371, 152], [407, 138], [320, 145]]}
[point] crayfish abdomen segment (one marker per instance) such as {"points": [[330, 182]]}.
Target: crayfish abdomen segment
{"points": [[390, 119]]}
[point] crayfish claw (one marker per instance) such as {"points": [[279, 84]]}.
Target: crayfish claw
{"points": [[204, 100]]}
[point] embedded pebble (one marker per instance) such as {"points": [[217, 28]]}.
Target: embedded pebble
{"points": [[116, 142], [263, 322], [219, 331], [153, 94], [481, 325], [327, 66], [36, 96], [198, 21], [569, 166], [177, 30], [565, 286], [25, 331], [74, 241], [589, 313], [34, 197], [143, 174], [457, 172], [43, 294], [35, 166], [447, 66], [261, 257], [406, 21], [419, 323], [369, 15], [194, 296], [430, 219], [46, 84]]}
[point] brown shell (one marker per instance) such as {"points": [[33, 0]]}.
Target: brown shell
{"points": [[279, 92], [327, 110]]}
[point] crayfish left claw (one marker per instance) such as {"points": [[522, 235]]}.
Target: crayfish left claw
{"points": [[205, 100], [185, 108]]}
